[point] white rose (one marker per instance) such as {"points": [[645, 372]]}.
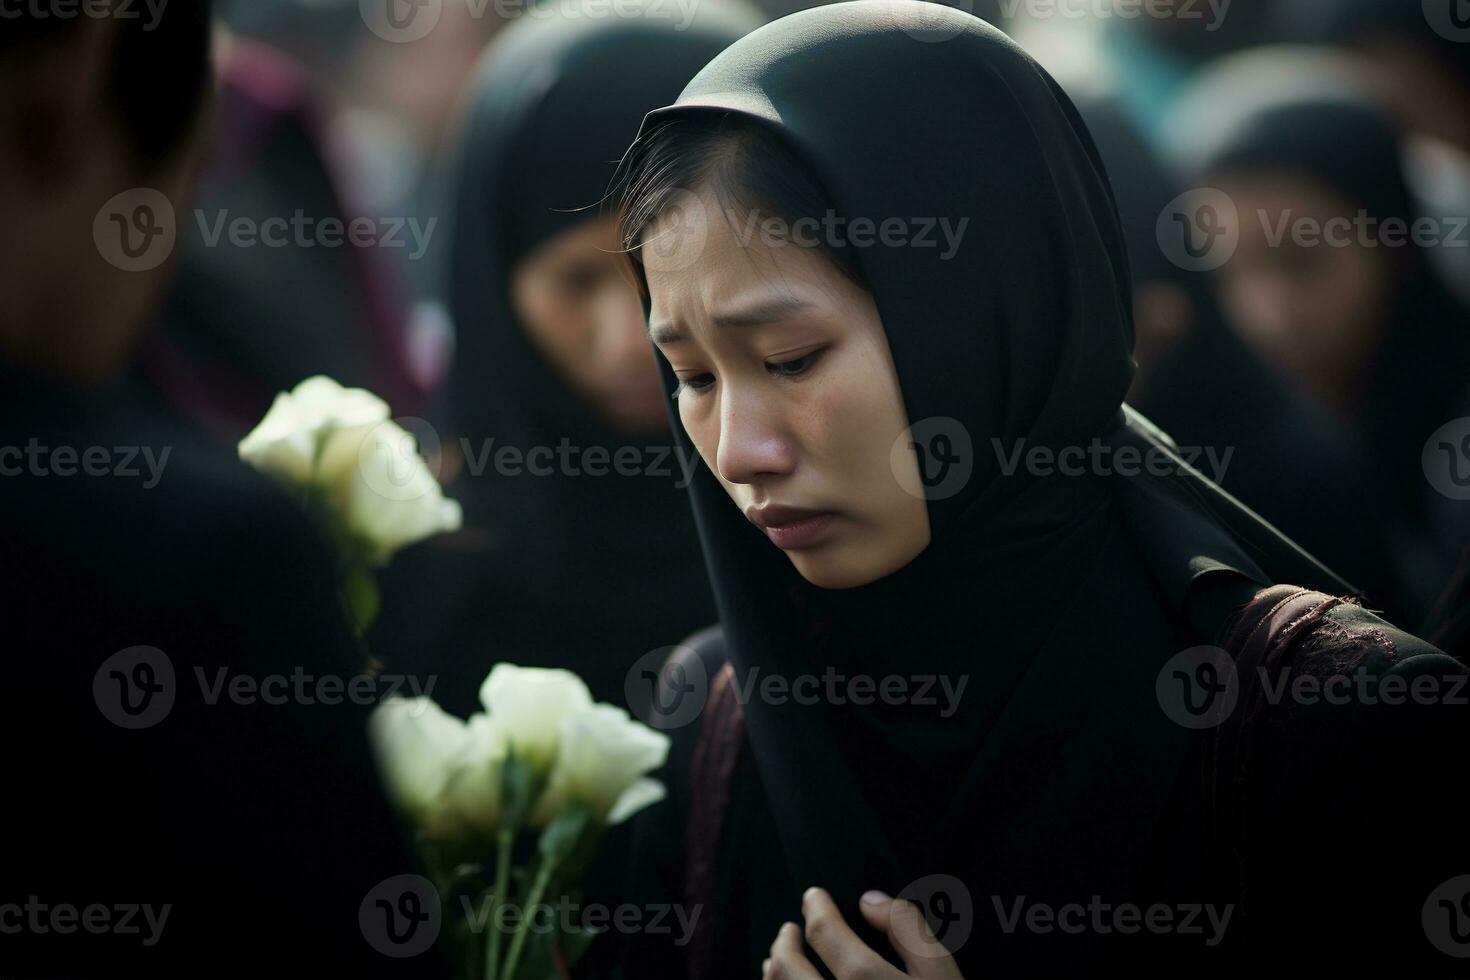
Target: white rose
{"points": [[286, 442], [377, 483], [443, 773], [604, 758], [417, 745], [529, 704], [470, 801]]}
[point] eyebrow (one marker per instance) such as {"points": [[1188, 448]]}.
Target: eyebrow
{"points": [[754, 315]]}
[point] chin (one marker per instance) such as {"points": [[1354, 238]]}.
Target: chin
{"points": [[832, 572]]}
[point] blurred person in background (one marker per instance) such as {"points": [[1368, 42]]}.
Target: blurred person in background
{"points": [[1422, 49], [245, 321], [1145, 54], [142, 566], [1213, 394], [554, 566], [1352, 313]]}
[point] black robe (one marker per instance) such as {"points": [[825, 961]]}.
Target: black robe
{"points": [[260, 823]]}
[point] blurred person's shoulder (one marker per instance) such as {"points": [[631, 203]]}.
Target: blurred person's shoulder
{"points": [[113, 490]]}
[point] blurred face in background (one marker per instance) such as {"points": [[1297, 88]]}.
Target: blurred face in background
{"points": [[419, 84], [67, 309], [585, 318], [1316, 312]]}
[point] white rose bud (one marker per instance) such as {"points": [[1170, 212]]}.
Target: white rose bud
{"points": [[286, 442], [417, 745], [529, 704], [384, 493], [604, 758], [470, 802]]}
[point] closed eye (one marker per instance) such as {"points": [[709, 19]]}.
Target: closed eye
{"points": [[698, 384], [796, 366]]}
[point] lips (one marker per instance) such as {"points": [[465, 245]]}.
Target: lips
{"points": [[791, 528]]}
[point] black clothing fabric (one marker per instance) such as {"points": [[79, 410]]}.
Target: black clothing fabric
{"points": [[1058, 599], [566, 567], [250, 806]]}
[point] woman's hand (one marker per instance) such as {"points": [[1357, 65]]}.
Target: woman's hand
{"points": [[847, 956]]}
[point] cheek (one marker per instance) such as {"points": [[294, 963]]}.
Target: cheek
{"points": [[847, 428]]}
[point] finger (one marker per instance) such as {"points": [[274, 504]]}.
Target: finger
{"points": [[788, 960], [834, 941], [924, 956]]}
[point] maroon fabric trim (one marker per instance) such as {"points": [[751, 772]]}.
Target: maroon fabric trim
{"points": [[715, 754], [1278, 627]]}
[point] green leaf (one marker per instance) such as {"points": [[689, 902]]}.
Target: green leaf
{"points": [[360, 598], [517, 791], [562, 835], [575, 942]]}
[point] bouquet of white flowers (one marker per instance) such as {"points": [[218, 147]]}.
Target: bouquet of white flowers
{"points": [[358, 473], [508, 807]]}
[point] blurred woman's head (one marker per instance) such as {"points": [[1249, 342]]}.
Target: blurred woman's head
{"points": [[92, 109], [1326, 227], [546, 322]]}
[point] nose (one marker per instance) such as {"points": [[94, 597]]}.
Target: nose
{"points": [[753, 444]]}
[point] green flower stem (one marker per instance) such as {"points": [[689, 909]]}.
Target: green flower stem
{"points": [[538, 889], [502, 882]]}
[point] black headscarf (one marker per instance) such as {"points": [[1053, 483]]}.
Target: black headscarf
{"points": [[1058, 594], [569, 569], [1417, 381]]}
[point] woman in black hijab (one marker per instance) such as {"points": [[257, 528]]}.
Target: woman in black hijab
{"points": [[1355, 316], [1199, 382], [957, 682], [579, 551]]}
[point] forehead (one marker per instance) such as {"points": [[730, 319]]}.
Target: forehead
{"points": [[700, 255]]}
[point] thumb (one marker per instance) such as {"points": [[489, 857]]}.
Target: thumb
{"points": [[924, 956]]}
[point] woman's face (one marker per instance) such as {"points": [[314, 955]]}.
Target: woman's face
{"points": [[585, 318], [789, 392], [1311, 306]]}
